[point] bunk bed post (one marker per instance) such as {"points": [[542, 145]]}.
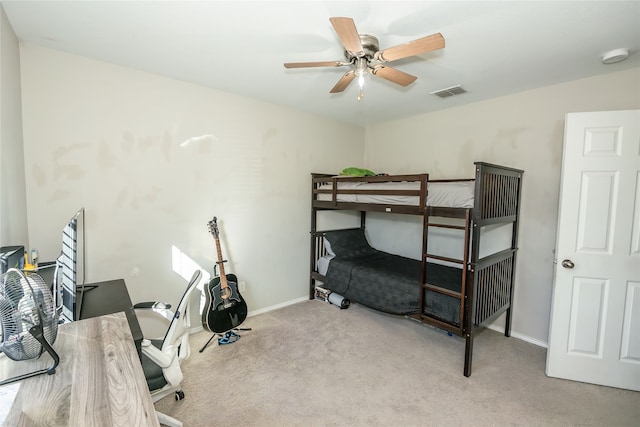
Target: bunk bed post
{"points": [[468, 326], [313, 254], [468, 280], [469, 303], [424, 191], [468, 353], [423, 267], [312, 251], [514, 245]]}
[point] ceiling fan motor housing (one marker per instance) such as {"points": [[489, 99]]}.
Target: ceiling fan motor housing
{"points": [[370, 45]]}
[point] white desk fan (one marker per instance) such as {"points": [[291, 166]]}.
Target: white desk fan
{"points": [[29, 320]]}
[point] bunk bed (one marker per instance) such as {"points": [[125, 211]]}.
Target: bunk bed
{"points": [[430, 290]]}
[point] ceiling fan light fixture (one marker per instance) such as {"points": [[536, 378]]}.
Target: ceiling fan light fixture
{"points": [[361, 70]]}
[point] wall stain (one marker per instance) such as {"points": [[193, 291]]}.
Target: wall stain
{"points": [[121, 197], [147, 142], [128, 142], [147, 198], [556, 143], [270, 133], [166, 145], [71, 172], [510, 136], [204, 147], [105, 159], [39, 175], [69, 149], [58, 195]]}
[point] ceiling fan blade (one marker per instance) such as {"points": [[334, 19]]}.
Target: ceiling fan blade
{"points": [[393, 75], [315, 64], [415, 47], [348, 34], [343, 82]]}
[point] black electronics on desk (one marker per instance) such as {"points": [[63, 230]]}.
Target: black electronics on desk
{"points": [[11, 257]]}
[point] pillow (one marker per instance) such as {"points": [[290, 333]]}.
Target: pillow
{"points": [[327, 246], [348, 243], [356, 172]]}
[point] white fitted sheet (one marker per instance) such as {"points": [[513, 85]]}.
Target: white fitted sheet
{"points": [[458, 194]]}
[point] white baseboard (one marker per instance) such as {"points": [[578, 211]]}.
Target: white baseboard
{"points": [[276, 306], [520, 336], [196, 329]]}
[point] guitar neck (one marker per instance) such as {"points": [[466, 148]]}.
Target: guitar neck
{"points": [[223, 276]]}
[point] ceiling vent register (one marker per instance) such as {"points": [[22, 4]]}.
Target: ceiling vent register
{"points": [[450, 91]]}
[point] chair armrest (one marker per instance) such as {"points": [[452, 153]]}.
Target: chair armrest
{"points": [[159, 308], [153, 305], [155, 354]]}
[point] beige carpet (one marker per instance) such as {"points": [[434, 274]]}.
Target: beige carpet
{"points": [[312, 364]]}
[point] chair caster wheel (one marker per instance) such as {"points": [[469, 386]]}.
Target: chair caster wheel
{"points": [[179, 395]]}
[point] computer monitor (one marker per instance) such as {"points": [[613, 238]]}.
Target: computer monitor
{"points": [[69, 274]]}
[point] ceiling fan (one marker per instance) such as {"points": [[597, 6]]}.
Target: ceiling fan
{"points": [[363, 54]]}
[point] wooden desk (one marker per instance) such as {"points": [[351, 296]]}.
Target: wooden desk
{"points": [[108, 297], [99, 381]]}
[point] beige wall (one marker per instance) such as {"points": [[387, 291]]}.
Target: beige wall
{"points": [[13, 202], [152, 160], [113, 140], [523, 131]]}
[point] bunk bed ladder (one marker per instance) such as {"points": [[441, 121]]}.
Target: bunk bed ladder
{"points": [[427, 287]]}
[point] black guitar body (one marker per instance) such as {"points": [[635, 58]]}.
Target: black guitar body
{"points": [[222, 314]]}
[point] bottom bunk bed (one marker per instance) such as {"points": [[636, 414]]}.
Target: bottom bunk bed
{"points": [[384, 281], [455, 299]]}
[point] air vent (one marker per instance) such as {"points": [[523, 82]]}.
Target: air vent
{"points": [[450, 91]]}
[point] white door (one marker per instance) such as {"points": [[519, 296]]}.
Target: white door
{"points": [[594, 332]]}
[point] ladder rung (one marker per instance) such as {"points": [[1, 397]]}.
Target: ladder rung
{"points": [[444, 291], [444, 258], [455, 227]]}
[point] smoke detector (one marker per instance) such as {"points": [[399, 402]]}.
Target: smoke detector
{"points": [[615, 55]]}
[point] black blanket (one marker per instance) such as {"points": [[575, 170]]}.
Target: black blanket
{"points": [[379, 280], [387, 282]]}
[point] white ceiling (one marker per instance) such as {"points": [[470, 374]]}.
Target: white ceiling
{"points": [[493, 48]]}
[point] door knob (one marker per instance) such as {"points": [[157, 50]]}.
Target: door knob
{"points": [[567, 263]]}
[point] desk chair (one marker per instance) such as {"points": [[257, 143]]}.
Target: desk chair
{"points": [[161, 358]]}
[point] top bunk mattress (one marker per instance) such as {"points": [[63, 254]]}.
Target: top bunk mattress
{"points": [[453, 194]]}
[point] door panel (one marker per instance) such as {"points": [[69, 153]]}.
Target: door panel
{"points": [[587, 317], [595, 315], [597, 205], [631, 329]]}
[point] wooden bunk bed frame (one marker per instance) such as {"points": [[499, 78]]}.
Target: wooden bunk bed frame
{"points": [[487, 282]]}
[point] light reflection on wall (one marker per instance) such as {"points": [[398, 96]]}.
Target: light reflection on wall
{"points": [[184, 265]]}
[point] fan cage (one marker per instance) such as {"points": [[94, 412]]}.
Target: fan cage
{"points": [[25, 303]]}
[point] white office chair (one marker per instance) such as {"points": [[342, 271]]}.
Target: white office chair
{"points": [[161, 357]]}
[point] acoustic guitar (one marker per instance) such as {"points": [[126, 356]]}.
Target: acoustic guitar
{"points": [[224, 307]]}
